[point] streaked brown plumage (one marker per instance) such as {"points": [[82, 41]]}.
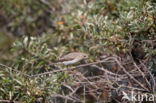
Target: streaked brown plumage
{"points": [[73, 58]]}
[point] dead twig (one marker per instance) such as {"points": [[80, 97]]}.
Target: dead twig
{"points": [[11, 69], [136, 81], [68, 69], [153, 87], [143, 75]]}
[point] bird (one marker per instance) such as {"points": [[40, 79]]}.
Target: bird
{"points": [[72, 58]]}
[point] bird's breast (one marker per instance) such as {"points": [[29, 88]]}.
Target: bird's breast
{"points": [[71, 61]]}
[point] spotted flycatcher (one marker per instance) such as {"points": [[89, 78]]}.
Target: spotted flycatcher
{"points": [[72, 58]]}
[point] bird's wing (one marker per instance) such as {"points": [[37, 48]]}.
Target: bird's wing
{"points": [[65, 58], [69, 56]]}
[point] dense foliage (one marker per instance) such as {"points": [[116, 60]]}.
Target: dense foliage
{"points": [[35, 33]]}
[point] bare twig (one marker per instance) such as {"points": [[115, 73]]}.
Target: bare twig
{"points": [[75, 90], [136, 81], [14, 70], [84, 93], [153, 87], [68, 69], [143, 75], [5, 101]]}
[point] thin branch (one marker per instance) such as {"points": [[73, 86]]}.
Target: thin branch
{"points": [[68, 69], [136, 81], [153, 88], [143, 75], [14, 70]]}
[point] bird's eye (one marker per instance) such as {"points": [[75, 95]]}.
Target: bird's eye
{"points": [[85, 56]]}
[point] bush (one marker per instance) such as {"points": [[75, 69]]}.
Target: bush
{"points": [[42, 31]]}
